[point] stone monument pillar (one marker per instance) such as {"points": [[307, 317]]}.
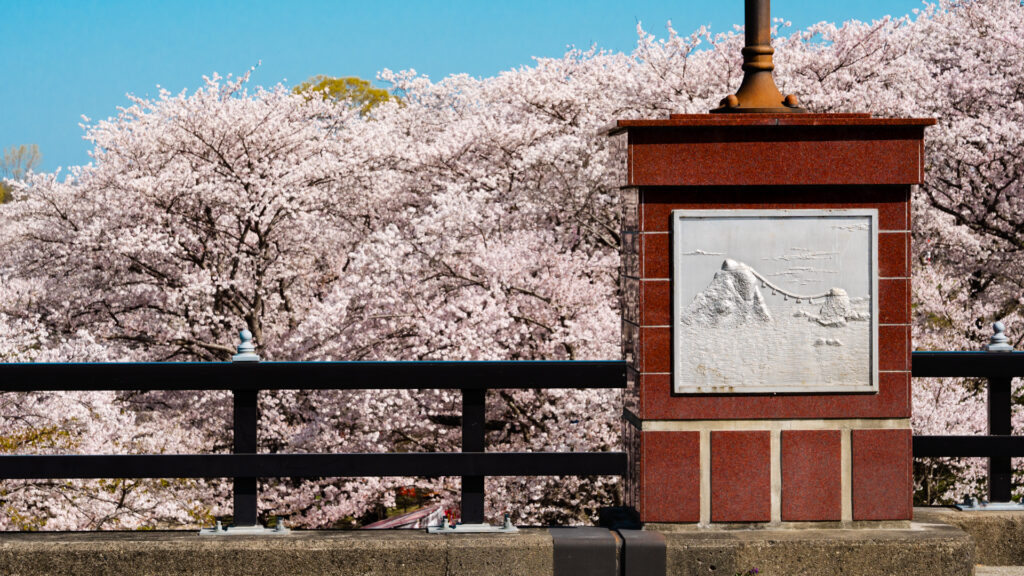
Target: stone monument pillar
{"points": [[766, 311]]}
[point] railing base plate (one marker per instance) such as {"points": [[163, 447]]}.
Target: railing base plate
{"points": [[472, 529], [256, 530], [990, 506]]}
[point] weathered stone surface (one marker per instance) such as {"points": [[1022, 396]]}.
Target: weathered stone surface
{"points": [[526, 554], [932, 550], [363, 553], [999, 571], [998, 536]]}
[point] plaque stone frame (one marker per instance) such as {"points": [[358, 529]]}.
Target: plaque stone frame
{"points": [[775, 301]]}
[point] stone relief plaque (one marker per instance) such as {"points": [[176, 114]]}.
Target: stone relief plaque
{"points": [[775, 301]]}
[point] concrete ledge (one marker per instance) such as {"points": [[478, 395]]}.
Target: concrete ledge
{"points": [[930, 550], [999, 571], [344, 553], [998, 536]]}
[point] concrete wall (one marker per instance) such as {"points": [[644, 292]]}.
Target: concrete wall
{"points": [[935, 550]]}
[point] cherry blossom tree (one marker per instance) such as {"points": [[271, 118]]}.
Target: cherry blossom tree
{"points": [[471, 219]]}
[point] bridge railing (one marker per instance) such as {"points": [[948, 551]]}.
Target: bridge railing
{"points": [[999, 445], [473, 463], [246, 379]]}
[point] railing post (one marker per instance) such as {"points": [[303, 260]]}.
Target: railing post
{"points": [[246, 421], [1000, 471], [474, 412]]}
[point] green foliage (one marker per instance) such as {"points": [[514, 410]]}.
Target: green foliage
{"points": [[358, 92], [18, 160], [15, 163], [48, 437]]}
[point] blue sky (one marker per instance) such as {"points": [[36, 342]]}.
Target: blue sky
{"points": [[66, 58]]}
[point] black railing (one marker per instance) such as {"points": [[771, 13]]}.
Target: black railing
{"points": [[245, 380], [999, 368]]}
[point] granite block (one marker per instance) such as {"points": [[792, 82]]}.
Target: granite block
{"points": [[882, 474], [631, 254], [660, 403], [666, 153], [656, 256], [657, 303], [894, 301], [630, 299], [890, 201], [671, 477], [893, 259], [631, 398], [633, 482], [656, 349], [811, 475], [630, 203], [740, 476], [631, 344], [893, 342]]}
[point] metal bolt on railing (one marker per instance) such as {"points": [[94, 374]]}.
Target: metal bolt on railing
{"points": [[217, 530]]}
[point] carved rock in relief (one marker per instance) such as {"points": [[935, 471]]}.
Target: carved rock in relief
{"points": [[732, 299]]}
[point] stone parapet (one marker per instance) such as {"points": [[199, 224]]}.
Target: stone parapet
{"points": [[923, 549], [998, 536], [335, 553]]}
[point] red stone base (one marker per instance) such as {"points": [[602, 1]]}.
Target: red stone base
{"points": [[789, 471]]}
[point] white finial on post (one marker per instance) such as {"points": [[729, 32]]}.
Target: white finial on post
{"points": [[999, 341], [246, 350]]}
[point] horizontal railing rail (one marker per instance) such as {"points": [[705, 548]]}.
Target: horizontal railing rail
{"points": [[521, 374], [473, 463], [246, 379], [967, 364], [313, 465], [969, 446], [999, 446]]}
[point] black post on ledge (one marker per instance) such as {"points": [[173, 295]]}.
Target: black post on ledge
{"points": [[246, 423], [999, 365], [246, 464], [474, 414], [1000, 471]]}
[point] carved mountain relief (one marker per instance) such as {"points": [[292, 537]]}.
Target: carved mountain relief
{"points": [[767, 319]]}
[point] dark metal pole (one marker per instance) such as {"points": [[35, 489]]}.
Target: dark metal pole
{"points": [[473, 416], [246, 420], [758, 29], [1000, 473]]}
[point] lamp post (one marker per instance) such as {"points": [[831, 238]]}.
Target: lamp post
{"points": [[758, 93]]}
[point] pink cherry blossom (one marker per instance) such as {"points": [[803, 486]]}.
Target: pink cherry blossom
{"points": [[474, 219]]}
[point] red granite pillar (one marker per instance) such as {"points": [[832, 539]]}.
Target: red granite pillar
{"points": [[768, 444]]}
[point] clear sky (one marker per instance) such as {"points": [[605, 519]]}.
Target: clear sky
{"points": [[66, 58]]}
